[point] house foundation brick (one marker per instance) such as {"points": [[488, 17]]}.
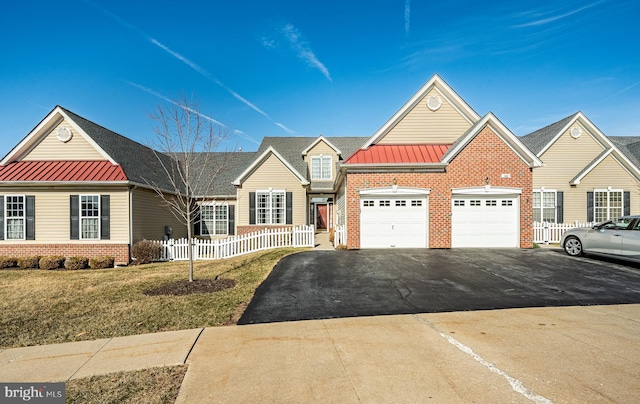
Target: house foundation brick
{"points": [[119, 251]]}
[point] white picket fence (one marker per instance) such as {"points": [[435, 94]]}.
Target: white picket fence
{"points": [[339, 236], [302, 236], [552, 232]]}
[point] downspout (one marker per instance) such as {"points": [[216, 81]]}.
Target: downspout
{"points": [[346, 211], [131, 218]]}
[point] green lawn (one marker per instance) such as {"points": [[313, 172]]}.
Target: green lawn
{"points": [[47, 307]]}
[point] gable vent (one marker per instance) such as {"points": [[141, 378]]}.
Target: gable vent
{"points": [[64, 134], [434, 102], [576, 132]]}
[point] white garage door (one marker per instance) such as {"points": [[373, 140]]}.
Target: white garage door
{"points": [[393, 221], [485, 221]]}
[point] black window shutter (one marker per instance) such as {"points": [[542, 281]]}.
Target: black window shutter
{"points": [[590, 207], [197, 223], [289, 208], [1, 217], [105, 218], [627, 202], [232, 219], [75, 217], [559, 207], [252, 208], [30, 214]]}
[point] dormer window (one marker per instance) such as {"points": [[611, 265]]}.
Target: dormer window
{"points": [[321, 167]]}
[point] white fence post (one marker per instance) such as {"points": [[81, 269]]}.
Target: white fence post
{"points": [[552, 232], [301, 236]]}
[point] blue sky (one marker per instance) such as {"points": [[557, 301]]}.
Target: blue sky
{"points": [[338, 68]]}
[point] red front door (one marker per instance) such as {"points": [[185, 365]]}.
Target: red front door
{"points": [[321, 217]]}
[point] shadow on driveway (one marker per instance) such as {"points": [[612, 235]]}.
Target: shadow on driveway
{"points": [[331, 284]]}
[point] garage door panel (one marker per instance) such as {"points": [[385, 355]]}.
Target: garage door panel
{"points": [[485, 221], [388, 222]]}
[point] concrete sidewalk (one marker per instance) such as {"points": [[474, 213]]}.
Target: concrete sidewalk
{"points": [[72, 360], [566, 354]]}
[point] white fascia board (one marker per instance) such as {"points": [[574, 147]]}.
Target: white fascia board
{"points": [[88, 138], [627, 165], [382, 166], [238, 181], [28, 142], [443, 88], [61, 183], [318, 140], [395, 190], [34, 137], [503, 132], [486, 190], [600, 137]]}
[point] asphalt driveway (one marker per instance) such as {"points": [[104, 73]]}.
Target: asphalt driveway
{"points": [[333, 284]]}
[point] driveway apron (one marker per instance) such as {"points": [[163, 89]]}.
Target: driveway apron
{"points": [[336, 284]]}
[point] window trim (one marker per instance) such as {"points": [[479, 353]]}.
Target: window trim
{"points": [[608, 191], [269, 210], [81, 217], [23, 217], [215, 206], [320, 158], [541, 208]]}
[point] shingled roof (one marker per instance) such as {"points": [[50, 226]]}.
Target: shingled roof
{"points": [[291, 147], [538, 140], [140, 163]]}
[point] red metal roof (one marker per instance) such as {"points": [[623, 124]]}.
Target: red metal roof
{"points": [[399, 154], [62, 171]]}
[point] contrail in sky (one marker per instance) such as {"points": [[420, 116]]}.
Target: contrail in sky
{"points": [[191, 64], [210, 119], [407, 17], [292, 34]]}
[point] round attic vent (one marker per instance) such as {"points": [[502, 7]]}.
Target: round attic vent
{"points": [[64, 134], [434, 102], [576, 132]]}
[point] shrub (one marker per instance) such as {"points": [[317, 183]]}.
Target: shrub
{"points": [[75, 263], [341, 247], [29, 262], [53, 262], [146, 251], [8, 262], [101, 262], [331, 235]]}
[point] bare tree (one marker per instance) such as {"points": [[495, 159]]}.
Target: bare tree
{"points": [[186, 148]]}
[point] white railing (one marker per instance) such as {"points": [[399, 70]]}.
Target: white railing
{"points": [[552, 232], [339, 235], [302, 236]]}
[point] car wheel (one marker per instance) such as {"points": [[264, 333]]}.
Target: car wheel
{"points": [[573, 246]]}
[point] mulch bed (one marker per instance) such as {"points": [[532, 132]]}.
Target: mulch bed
{"points": [[184, 287]]}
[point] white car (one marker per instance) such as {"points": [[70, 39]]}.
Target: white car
{"points": [[617, 238]]}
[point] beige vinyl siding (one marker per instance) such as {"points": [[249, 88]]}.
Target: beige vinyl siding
{"points": [[422, 125], [151, 214], [322, 148], [272, 174], [50, 148], [52, 213], [565, 159], [609, 173]]}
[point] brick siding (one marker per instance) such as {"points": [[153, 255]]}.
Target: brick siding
{"points": [[119, 251], [486, 156]]}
